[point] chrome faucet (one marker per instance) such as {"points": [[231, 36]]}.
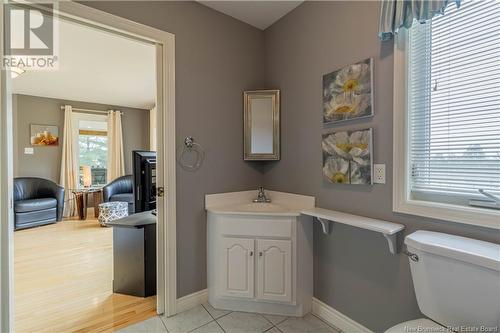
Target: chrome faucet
{"points": [[261, 196]]}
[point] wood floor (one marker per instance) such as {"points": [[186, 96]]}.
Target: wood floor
{"points": [[63, 281]]}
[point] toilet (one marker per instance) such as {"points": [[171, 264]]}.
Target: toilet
{"points": [[456, 281]]}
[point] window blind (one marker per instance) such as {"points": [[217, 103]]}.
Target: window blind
{"points": [[454, 103]]}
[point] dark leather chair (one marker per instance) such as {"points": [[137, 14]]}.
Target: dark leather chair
{"points": [[120, 189], [37, 201]]}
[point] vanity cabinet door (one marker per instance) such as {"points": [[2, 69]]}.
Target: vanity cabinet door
{"points": [[237, 269], [274, 270]]}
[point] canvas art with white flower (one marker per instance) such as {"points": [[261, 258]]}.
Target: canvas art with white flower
{"points": [[347, 157], [347, 92]]}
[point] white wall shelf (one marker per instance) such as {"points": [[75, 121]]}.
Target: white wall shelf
{"points": [[389, 230]]}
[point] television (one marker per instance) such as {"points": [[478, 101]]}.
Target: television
{"points": [[144, 180]]}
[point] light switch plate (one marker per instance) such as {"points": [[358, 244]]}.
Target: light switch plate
{"points": [[29, 150], [379, 173]]}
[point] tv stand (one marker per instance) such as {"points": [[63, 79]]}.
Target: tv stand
{"points": [[134, 251]]}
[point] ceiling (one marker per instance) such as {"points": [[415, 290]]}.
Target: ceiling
{"points": [[98, 67], [260, 14]]}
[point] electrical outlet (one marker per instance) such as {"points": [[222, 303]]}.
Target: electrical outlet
{"points": [[379, 173], [29, 150]]}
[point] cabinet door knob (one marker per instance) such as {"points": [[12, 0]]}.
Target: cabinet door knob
{"points": [[251, 253], [260, 254]]}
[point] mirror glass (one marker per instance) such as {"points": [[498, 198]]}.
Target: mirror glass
{"points": [[261, 126]]}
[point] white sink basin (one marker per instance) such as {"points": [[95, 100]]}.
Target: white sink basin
{"points": [[240, 203], [260, 207]]}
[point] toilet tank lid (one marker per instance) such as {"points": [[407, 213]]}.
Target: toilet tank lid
{"points": [[460, 248]]}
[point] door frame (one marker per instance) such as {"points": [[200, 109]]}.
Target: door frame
{"points": [[166, 176], [6, 194]]}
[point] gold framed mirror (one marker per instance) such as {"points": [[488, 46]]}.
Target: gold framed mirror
{"points": [[261, 127]]}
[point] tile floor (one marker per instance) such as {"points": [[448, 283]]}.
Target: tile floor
{"points": [[205, 319]]}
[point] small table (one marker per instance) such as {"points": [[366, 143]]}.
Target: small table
{"points": [[82, 197]]}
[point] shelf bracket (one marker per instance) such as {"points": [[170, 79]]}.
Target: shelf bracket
{"points": [[392, 242], [325, 225]]}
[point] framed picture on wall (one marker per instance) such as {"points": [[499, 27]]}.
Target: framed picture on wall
{"points": [[44, 135], [348, 157], [348, 92]]}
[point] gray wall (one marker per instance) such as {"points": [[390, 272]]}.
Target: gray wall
{"points": [[353, 269], [46, 161], [217, 57]]}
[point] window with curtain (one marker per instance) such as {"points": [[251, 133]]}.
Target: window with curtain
{"points": [[453, 104]]}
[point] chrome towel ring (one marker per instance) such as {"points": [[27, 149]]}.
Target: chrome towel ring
{"points": [[191, 155]]}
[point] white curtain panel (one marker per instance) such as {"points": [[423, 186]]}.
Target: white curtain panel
{"points": [[69, 165], [116, 165], [152, 129]]}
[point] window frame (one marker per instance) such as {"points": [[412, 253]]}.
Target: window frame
{"points": [[76, 117], [401, 201]]}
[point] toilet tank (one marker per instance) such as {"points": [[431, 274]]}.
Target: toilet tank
{"points": [[456, 279]]}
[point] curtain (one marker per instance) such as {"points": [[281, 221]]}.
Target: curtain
{"points": [[152, 129], [69, 165], [397, 14], [116, 165]]}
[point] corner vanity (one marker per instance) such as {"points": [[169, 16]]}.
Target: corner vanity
{"points": [[260, 255]]}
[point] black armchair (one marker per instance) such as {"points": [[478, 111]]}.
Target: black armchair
{"points": [[120, 189], [37, 201]]}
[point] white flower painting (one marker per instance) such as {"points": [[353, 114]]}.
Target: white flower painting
{"points": [[348, 93], [347, 157]]}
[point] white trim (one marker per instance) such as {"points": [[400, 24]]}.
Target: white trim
{"points": [[190, 301], [336, 319], [6, 199], [169, 139], [401, 202], [167, 248], [319, 309]]}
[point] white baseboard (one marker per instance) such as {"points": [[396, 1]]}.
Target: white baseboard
{"points": [[337, 319], [190, 301], [320, 309]]}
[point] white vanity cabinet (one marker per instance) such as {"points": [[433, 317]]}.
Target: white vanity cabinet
{"points": [[270, 259], [274, 270], [260, 258], [237, 267]]}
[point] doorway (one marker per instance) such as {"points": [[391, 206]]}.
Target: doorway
{"points": [[165, 102]]}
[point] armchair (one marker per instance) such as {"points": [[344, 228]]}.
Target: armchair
{"points": [[120, 189], [37, 201]]}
